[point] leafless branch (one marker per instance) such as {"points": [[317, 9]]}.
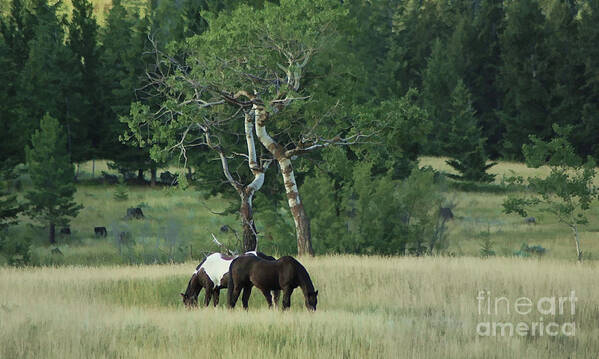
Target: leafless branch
{"points": [[229, 252], [320, 143]]}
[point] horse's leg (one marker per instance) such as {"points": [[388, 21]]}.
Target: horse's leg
{"points": [[234, 291], [268, 297], [275, 295], [215, 296], [195, 301], [208, 294], [287, 297], [247, 291]]}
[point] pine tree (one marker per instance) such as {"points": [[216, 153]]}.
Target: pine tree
{"points": [[416, 24], [466, 144], [9, 206], [50, 80], [124, 42], [15, 248], [564, 63], [16, 30], [82, 41], [166, 20], [525, 76], [585, 133], [120, 193], [52, 174], [482, 74], [438, 81]]}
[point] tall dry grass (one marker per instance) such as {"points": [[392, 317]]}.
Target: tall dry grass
{"points": [[368, 307]]}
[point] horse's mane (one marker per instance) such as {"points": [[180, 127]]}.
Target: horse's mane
{"points": [[188, 291], [303, 276]]}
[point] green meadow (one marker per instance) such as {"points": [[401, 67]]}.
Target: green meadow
{"points": [[178, 225]]}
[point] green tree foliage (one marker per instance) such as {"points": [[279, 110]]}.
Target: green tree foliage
{"points": [[368, 30], [404, 127], [50, 201], [585, 133], [166, 21], [83, 43], [376, 214], [195, 13], [123, 65], [568, 190], [9, 206], [438, 81], [483, 68], [16, 30], [415, 26], [274, 61], [50, 82], [465, 142], [564, 63], [525, 76], [527, 63], [16, 249]]}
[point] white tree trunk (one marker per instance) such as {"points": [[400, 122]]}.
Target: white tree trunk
{"points": [[301, 220]]}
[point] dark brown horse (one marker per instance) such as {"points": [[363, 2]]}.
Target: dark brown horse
{"points": [[212, 274], [284, 274]]}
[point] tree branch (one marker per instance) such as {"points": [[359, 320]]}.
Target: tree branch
{"points": [[320, 143]]}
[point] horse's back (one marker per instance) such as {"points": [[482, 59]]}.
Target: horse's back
{"points": [[216, 267], [265, 274], [244, 267]]}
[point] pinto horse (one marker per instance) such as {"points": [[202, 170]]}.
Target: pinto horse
{"points": [[212, 274], [286, 274]]}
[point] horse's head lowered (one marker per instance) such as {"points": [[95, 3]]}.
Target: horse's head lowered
{"points": [[311, 300], [189, 301], [190, 297]]}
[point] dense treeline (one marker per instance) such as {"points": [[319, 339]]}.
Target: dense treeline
{"points": [[522, 65], [467, 79]]}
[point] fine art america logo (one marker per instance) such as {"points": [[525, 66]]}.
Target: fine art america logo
{"points": [[544, 310]]}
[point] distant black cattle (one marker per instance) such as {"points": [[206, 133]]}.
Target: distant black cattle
{"points": [[109, 179], [446, 213], [530, 220], [100, 231], [65, 231], [134, 213], [168, 178]]}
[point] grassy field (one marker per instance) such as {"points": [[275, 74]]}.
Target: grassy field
{"points": [[103, 307], [368, 307]]}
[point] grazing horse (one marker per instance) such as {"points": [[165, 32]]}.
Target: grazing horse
{"points": [[286, 274], [212, 274]]}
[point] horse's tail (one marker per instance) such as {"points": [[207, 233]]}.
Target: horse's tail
{"points": [[230, 287]]}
